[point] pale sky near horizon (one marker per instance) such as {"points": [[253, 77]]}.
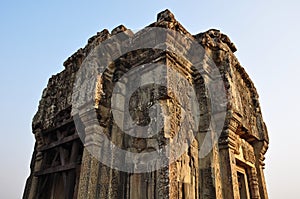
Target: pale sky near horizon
{"points": [[38, 36]]}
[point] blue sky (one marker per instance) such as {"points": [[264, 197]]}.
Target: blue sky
{"points": [[36, 37]]}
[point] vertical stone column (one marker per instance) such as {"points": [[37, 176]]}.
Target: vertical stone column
{"points": [[205, 184], [253, 182], [217, 173], [260, 149], [90, 165], [227, 145]]}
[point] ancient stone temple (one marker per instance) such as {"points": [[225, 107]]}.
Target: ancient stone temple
{"points": [[209, 140]]}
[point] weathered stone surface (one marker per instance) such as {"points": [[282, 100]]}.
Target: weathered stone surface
{"points": [[62, 167]]}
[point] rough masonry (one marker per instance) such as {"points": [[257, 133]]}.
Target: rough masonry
{"points": [[62, 168]]}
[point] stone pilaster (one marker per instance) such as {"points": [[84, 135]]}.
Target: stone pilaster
{"points": [[90, 164], [227, 145], [254, 185], [260, 150]]}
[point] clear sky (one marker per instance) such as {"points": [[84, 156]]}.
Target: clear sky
{"points": [[37, 36]]}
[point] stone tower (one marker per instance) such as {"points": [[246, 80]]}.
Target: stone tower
{"points": [[234, 136]]}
